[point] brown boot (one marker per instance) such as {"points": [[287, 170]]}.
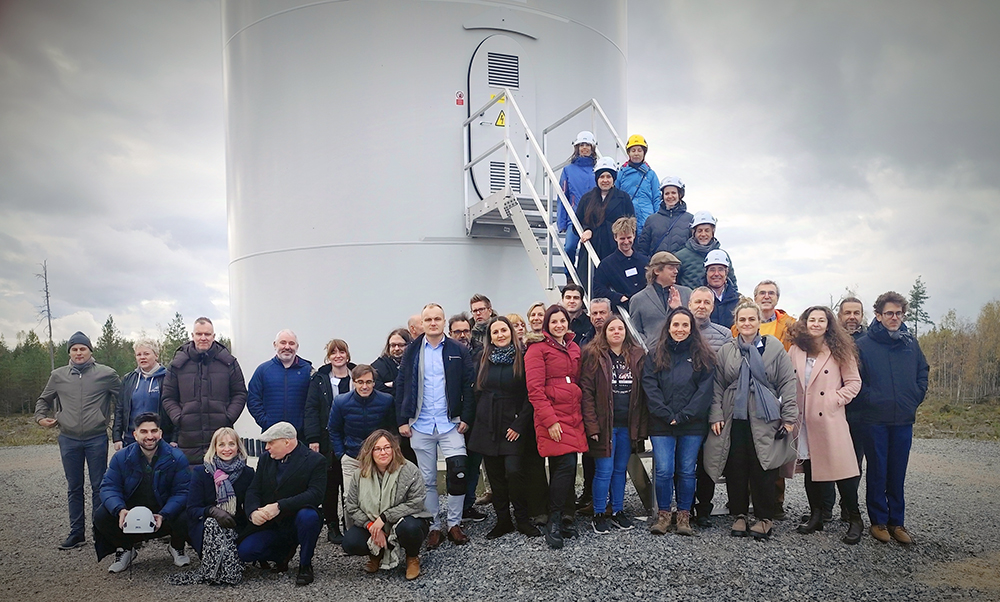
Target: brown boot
{"points": [[662, 523], [412, 567], [684, 522], [373, 563], [761, 529], [900, 534]]}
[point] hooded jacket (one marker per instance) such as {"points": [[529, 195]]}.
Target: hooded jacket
{"points": [[81, 399], [691, 272], [202, 392], [680, 394], [551, 371], [278, 394], [147, 388], [576, 180], [666, 230], [893, 376], [643, 187]]}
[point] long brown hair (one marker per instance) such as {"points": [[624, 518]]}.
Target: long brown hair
{"points": [[702, 357], [484, 364], [402, 333], [366, 455], [593, 215], [599, 346], [841, 344]]}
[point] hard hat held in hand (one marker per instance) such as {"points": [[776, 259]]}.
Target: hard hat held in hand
{"points": [[139, 520]]}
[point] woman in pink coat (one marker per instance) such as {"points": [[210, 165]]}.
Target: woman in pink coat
{"points": [[826, 370], [551, 368]]}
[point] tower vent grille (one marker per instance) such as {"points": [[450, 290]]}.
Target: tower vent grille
{"points": [[503, 70]]}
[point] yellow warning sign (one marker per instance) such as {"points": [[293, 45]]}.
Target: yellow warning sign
{"points": [[501, 101], [501, 120]]}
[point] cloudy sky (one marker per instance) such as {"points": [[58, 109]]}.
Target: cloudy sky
{"points": [[839, 144]]}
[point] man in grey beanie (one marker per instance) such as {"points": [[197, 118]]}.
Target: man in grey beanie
{"points": [[80, 398]]}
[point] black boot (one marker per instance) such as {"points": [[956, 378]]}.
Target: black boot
{"points": [[855, 529], [815, 522], [504, 526], [333, 534], [553, 531]]}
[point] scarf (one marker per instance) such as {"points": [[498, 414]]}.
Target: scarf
{"points": [[78, 369], [503, 355], [376, 494], [225, 473], [753, 376]]}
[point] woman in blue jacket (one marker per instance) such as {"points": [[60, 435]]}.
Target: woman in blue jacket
{"points": [[638, 180], [576, 180]]}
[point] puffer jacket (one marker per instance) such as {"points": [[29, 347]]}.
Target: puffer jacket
{"points": [[576, 180], [666, 230], [680, 394], [643, 187], [202, 392], [81, 400], [407, 501], [551, 371], [715, 335], [278, 394], [353, 418], [772, 453], [598, 403], [149, 387], [691, 272], [171, 479], [893, 376]]}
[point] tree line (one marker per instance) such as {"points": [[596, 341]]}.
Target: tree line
{"points": [[24, 369]]}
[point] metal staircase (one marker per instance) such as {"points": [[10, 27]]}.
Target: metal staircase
{"points": [[528, 215]]}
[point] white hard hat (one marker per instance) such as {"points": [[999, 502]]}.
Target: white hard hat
{"points": [[672, 181], [702, 217], [585, 137], [139, 520], [717, 257], [606, 163]]}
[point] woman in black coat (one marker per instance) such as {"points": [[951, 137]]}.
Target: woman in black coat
{"points": [[503, 422], [598, 209]]}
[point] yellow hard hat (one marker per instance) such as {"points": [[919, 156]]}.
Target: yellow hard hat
{"points": [[636, 140]]}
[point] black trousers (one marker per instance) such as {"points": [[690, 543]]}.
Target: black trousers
{"points": [[743, 469], [507, 480], [106, 526], [816, 491], [589, 469], [334, 487], [410, 533], [562, 485], [536, 484], [704, 489]]}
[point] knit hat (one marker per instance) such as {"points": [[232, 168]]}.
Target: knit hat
{"points": [[79, 338]]}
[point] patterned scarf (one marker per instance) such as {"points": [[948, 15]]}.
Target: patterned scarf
{"points": [[225, 473], [503, 355]]}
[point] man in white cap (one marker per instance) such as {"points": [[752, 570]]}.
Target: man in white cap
{"points": [[727, 297], [149, 474], [282, 503]]}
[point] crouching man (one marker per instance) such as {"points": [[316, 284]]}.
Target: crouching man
{"points": [[282, 503], [148, 475]]}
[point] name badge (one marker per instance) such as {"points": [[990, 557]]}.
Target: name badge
{"points": [[568, 380], [631, 272]]}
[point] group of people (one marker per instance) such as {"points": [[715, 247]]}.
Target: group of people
{"points": [[722, 386]]}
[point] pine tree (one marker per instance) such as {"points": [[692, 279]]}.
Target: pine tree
{"points": [[174, 336], [916, 313], [112, 349]]}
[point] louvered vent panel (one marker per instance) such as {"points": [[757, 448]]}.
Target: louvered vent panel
{"points": [[503, 70], [497, 177]]}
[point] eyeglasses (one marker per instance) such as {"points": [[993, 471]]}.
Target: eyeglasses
{"points": [[891, 314], [397, 345], [364, 383], [461, 332], [479, 310], [382, 450]]}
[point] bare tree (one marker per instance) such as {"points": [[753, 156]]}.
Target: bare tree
{"points": [[46, 310]]}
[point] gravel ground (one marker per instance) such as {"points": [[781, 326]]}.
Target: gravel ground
{"points": [[953, 495]]}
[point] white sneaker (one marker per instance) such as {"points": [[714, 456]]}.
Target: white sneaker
{"points": [[180, 558], [123, 558]]}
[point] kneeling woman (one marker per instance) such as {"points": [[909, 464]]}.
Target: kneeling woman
{"points": [[215, 509], [826, 365], [614, 414], [678, 379], [753, 411], [385, 497]]}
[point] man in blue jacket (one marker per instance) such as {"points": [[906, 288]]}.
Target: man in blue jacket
{"points": [[148, 473], [434, 408], [279, 387], [893, 383]]}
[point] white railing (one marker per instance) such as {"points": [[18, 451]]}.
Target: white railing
{"points": [[551, 182]]}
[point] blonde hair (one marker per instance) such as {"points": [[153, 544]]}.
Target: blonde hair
{"points": [[748, 304], [225, 431], [148, 343], [517, 319], [623, 225]]}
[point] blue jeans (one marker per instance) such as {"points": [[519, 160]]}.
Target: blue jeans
{"points": [[74, 452], [887, 449], [572, 241], [682, 453], [610, 472]]}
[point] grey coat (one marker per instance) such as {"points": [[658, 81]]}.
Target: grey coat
{"points": [[781, 377], [648, 313], [716, 336], [409, 499], [81, 402]]}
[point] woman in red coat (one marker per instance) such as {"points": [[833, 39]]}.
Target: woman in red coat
{"points": [[551, 367], [826, 371]]}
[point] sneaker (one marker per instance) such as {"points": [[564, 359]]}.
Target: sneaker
{"points": [[901, 535], [568, 528], [600, 524], [123, 558], [471, 514], [880, 533], [620, 521], [180, 558], [73, 541]]}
